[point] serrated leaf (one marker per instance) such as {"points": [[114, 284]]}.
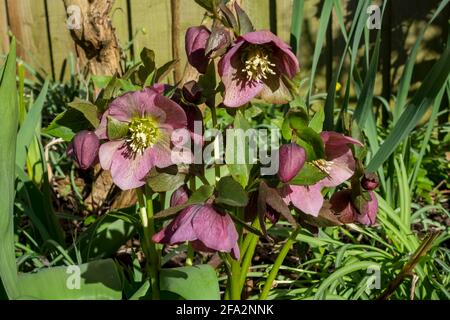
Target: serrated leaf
{"points": [[309, 175], [231, 193], [67, 124], [162, 181], [163, 71], [88, 109], [116, 129], [316, 122], [245, 24]]}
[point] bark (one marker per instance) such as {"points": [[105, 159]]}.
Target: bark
{"points": [[97, 45]]}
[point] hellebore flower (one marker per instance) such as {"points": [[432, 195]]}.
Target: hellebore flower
{"points": [[206, 229], [341, 205], [195, 44], [218, 42], [146, 119], [255, 65], [292, 158], [339, 165], [370, 181], [84, 148]]}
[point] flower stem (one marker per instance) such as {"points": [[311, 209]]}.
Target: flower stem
{"points": [[148, 246], [278, 262], [236, 289], [214, 121]]}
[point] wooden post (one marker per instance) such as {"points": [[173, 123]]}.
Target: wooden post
{"points": [[97, 46]]}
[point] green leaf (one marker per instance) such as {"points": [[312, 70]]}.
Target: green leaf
{"points": [[67, 124], [239, 165], [316, 122], [105, 236], [309, 175], [313, 144], [116, 129], [245, 25], [162, 180], [415, 109], [98, 280], [201, 194], [101, 82], [231, 193], [163, 71], [298, 119], [8, 112], [28, 128], [191, 283], [88, 109]]}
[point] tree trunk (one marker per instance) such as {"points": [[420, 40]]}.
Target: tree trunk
{"points": [[97, 45]]}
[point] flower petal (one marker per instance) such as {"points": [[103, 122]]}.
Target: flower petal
{"points": [[179, 229], [129, 170], [214, 230], [368, 217], [172, 114], [292, 158], [308, 199], [107, 151], [341, 169]]}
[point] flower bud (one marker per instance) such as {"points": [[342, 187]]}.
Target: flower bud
{"points": [[85, 146], [192, 92], [179, 196], [370, 181], [195, 44], [292, 159], [218, 42]]}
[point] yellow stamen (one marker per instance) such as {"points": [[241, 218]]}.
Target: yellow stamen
{"points": [[143, 134], [257, 63], [323, 165]]}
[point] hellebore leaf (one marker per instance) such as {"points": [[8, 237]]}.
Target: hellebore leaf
{"points": [[309, 175], [67, 124], [88, 109], [191, 283], [245, 25], [116, 129], [231, 193], [229, 17], [313, 144], [316, 122], [163, 71], [160, 180]]}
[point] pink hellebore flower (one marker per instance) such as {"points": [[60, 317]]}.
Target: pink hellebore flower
{"points": [[341, 205], [84, 149], [339, 165], [206, 229], [151, 118], [196, 40], [255, 65]]}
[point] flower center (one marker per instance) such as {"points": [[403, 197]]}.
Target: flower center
{"points": [[257, 63], [143, 133], [323, 165]]}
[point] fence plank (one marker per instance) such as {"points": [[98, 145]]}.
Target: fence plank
{"points": [[4, 39], [62, 44], [119, 18], [41, 57]]}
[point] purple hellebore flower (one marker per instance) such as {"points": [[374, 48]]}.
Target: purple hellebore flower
{"points": [[206, 229], [255, 65], [339, 164], [84, 148], [370, 181], [341, 205], [151, 118], [196, 40], [292, 158]]}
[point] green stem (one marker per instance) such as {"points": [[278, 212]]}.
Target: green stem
{"points": [[236, 289], [148, 246], [278, 262], [214, 121], [190, 255], [247, 260]]}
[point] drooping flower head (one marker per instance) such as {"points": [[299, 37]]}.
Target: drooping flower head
{"points": [[206, 229], [255, 65], [196, 40], [138, 126], [339, 165]]}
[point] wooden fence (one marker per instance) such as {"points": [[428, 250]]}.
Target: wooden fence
{"points": [[44, 41]]}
